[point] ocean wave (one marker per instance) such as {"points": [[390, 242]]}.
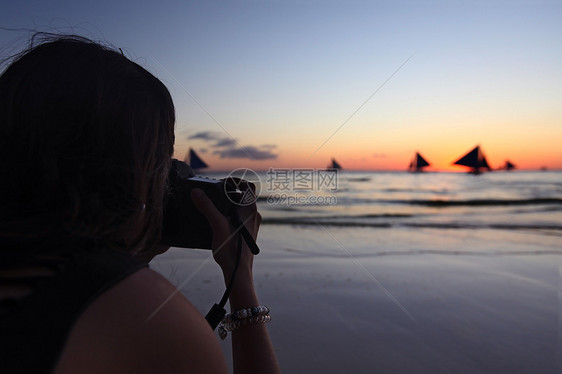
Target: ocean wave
{"points": [[417, 190], [422, 252], [344, 220], [481, 202], [321, 222], [440, 203], [356, 221]]}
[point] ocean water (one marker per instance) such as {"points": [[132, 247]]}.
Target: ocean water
{"points": [[395, 272], [498, 200], [517, 200]]}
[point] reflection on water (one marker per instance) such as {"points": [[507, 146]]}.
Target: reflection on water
{"points": [[500, 200]]}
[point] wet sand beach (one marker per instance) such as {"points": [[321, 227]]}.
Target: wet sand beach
{"points": [[397, 300]]}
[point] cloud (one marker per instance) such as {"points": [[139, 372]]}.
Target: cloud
{"points": [[220, 139], [227, 147], [206, 135], [379, 155], [250, 152], [225, 142], [203, 150]]}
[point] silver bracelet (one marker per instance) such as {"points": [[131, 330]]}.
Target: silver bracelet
{"points": [[249, 316]]}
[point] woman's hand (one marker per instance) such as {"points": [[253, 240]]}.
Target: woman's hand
{"points": [[225, 236], [252, 350]]}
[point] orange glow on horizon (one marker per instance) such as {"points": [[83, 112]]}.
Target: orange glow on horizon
{"points": [[441, 161], [392, 151]]}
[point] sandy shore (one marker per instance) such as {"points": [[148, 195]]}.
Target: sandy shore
{"points": [[398, 301]]}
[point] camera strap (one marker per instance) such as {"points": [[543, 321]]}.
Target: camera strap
{"points": [[217, 312], [249, 240]]}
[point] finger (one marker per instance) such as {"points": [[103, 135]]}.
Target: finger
{"points": [[246, 211]]}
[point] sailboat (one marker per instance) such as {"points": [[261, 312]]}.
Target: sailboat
{"points": [[334, 165], [418, 163], [475, 160], [194, 160], [508, 166]]}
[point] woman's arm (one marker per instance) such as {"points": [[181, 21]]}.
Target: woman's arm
{"points": [[252, 350]]}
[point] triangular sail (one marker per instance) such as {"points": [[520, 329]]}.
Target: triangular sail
{"points": [[334, 165], [195, 161], [418, 163], [474, 159], [484, 162], [470, 159]]}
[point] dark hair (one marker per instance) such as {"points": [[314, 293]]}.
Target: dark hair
{"points": [[86, 139]]}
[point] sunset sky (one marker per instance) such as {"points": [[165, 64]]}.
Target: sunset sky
{"points": [[264, 84]]}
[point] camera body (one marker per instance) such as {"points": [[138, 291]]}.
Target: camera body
{"points": [[184, 226]]}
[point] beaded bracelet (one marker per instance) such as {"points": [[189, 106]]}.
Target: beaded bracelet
{"points": [[249, 316]]}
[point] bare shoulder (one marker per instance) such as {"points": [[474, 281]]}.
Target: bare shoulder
{"points": [[142, 325]]}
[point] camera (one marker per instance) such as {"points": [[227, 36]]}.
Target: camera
{"points": [[184, 226]]}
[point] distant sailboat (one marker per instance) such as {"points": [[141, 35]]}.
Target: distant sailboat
{"points": [[475, 160], [418, 163], [508, 166], [334, 165], [194, 160]]}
